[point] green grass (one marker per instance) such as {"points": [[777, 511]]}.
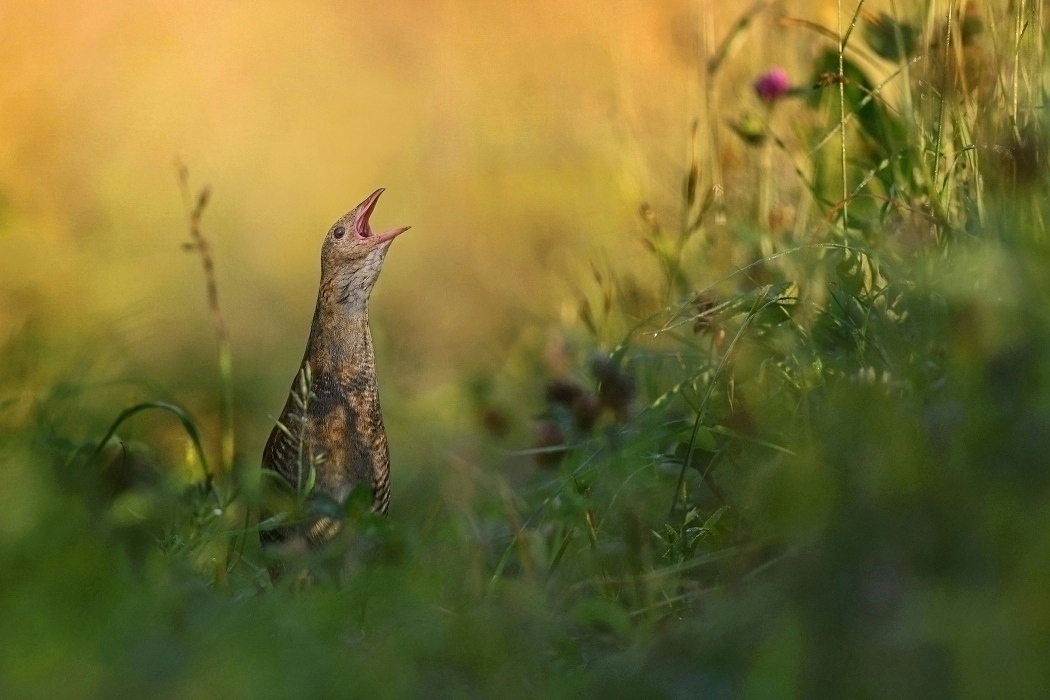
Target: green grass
{"points": [[802, 459]]}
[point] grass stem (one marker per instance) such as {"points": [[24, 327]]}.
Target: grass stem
{"points": [[200, 244]]}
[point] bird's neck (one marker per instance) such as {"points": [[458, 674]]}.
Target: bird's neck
{"points": [[340, 342]]}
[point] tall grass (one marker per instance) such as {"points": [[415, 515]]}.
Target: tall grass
{"points": [[806, 457]]}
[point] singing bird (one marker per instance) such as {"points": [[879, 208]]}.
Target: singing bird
{"points": [[330, 436]]}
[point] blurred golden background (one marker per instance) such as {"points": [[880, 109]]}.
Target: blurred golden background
{"points": [[517, 138]]}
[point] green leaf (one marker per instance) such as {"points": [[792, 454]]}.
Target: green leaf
{"points": [[705, 440], [887, 135], [890, 39], [273, 522], [311, 480], [715, 517], [753, 130]]}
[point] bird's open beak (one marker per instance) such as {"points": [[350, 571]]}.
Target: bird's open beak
{"points": [[364, 230]]}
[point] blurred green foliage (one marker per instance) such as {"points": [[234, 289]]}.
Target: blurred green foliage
{"points": [[819, 472]]}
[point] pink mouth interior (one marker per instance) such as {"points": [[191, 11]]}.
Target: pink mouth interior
{"points": [[364, 212]]}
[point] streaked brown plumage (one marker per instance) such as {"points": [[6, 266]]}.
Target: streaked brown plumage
{"points": [[338, 430]]}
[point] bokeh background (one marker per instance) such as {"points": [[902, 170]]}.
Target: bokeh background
{"points": [[519, 140]]}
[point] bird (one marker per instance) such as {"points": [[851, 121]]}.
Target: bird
{"points": [[330, 438]]}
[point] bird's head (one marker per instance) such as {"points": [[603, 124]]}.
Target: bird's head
{"points": [[352, 254]]}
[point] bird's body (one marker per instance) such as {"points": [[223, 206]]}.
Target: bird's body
{"points": [[330, 436]]}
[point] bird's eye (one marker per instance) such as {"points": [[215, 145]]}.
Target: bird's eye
{"points": [[339, 232]]}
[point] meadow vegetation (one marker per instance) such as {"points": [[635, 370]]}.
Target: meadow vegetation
{"points": [[795, 446]]}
